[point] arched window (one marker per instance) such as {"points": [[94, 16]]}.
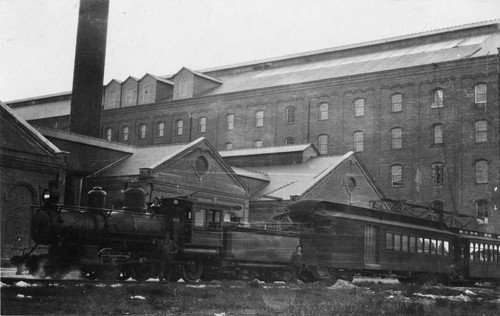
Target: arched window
{"points": [[125, 131], [161, 129], [290, 114], [258, 143], [481, 128], [359, 107], [230, 122], [397, 137], [323, 144], [109, 133], [179, 127], [228, 146], [323, 111], [289, 141], [480, 93], [397, 102], [142, 131], [396, 175], [358, 141], [481, 171], [437, 98], [437, 134], [259, 118], [203, 125]]}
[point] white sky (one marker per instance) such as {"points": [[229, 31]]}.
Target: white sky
{"points": [[38, 37]]}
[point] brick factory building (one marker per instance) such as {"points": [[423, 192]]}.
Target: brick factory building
{"points": [[420, 111]]}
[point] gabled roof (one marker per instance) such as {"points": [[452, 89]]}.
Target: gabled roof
{"points": [[199, 74], [162, 79], [113, 80], [153, 157], [36, 137], [264, 150], [130, 78], [298, 179]]}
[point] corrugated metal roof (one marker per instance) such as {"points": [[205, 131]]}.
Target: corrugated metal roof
{"points": [[416, 55], [287, 180]]}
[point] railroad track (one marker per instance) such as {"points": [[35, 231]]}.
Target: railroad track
{"points": [[48, 281]]}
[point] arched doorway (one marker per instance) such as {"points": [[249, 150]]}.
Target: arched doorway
{"points": [[16, 221]]}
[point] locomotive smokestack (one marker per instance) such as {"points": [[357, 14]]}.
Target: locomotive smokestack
{"points": [[85, 115]]}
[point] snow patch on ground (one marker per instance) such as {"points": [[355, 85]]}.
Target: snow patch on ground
{"points": [[341, 284], [460, 297], [22, 296], [22, 284], [138, 297]]}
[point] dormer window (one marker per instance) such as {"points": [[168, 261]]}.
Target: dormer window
{"points": [[183, 87]]}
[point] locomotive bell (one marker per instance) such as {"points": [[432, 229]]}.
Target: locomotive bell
{"points": [[97, 198], [135, 200]]}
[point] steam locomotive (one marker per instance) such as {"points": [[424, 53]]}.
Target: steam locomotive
{"points": [[338, 241], [119, 244]]}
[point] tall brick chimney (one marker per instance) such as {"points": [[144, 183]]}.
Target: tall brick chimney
{"points": [[88, 76]]}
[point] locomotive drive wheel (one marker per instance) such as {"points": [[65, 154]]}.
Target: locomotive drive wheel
{"points": [[192, 271], [124, 274], [145, 269], [108, 272]]}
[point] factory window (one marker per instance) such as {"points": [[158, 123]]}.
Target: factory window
{"points": [[109, 133], [179, 127], [359, 107], [481, 131], [323, 144], [289, 141], [161, 129], [229, 122], [259, 118], [358, 141], [437, 173], [228, 146], [125, 131], [397, 102], [258, 143], [481, 171], [396, 176], [203, 125], [480, 93], [437, 134], [142, 131], [397, 138], [290, 114], [129, 97], [183, 88], [323, 111], [482, 209], [437, 98]]}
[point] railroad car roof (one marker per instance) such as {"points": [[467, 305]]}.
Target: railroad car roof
{"points": [[317, 211]]}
